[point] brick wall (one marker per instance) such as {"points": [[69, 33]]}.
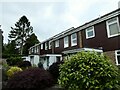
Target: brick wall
{"points": [[111, 55]]}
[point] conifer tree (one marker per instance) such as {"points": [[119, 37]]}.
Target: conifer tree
{"points": [[21, 32]]}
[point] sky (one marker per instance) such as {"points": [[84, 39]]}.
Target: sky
{"points": [[50, 17]]}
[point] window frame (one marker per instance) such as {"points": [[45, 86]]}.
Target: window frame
{"points": [[89, 30], [57, 43], [46, 46], [73, 39], [32, 50], [108, 24], [35, 49], [66, 43], [41, 46], [116, 55], [50, 46]]}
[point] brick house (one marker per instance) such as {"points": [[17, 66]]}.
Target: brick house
{"points": [[101, 35]]}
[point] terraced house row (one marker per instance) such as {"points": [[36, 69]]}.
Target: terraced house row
{"points": [[100, 35]]}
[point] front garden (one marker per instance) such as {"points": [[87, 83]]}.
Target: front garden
{"points": [[82, 71]]}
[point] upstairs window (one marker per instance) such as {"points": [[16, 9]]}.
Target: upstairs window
{"points": [[32, 50], [117, 53], [46, 46], [57, 43], [90, 32], [41, 46], [50, 45], [66, 42], [74, 39], [113, 28], [37, 49]]}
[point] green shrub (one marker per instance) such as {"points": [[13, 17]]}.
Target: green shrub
{"points": [[5, 68], [13, 61], [10, 55], [40, 65], [54, 70], [88, 71], [13, 70]]}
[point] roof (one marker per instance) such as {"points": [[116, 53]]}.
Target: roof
{"points": [[84, 26]]}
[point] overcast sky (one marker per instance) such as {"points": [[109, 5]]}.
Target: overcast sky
{"points": [[50, 17]]}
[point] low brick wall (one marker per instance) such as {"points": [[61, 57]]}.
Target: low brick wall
{"points": [[111, 55]]}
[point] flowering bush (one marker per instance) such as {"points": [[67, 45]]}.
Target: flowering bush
{"points": [[13, 70], [30, 79], [88, 71]]}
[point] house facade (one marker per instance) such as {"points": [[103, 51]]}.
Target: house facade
{"points": [[34, 53], [100, 35]]}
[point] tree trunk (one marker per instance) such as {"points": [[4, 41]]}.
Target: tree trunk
{"points": [[21, 48]]}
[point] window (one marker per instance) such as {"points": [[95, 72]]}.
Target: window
{"points": [[41, 46], [57, 43], [58, 59], [113, 27], [29, 52], [37, 49], [50, 45], [46, 47], [32, 50], [74, 39], [66, 42], [117, 53], [90, 32]]}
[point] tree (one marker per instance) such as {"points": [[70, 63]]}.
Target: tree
{"points": [[21, 32], [88, 71], [28, 43], [1, 42], [10, 48]]}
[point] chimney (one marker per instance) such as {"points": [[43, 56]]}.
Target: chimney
{"points": [[119, 4]]}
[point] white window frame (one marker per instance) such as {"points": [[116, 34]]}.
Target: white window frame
{"points": [[73, 39], [108, 24], [90, 30], [32, 50], [50, 46], [35, 48], [116, 54], [41, 46], [66, 43], [46, 46], [57, 43]]}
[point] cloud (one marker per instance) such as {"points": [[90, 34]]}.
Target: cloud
{"points": [[50, 17]]}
